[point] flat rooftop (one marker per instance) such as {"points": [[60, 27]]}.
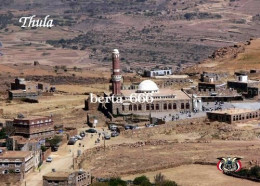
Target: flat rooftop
{"points": [[179, 95], [32, 118], [233, 111], [172, 77], [15, 154], [60, 175], [23, 91]]}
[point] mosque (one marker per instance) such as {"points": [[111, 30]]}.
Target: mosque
{"points": [[164, 100]]}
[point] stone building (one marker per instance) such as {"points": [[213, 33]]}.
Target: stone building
{"points": [[20, 143], [67, 178], [210, 77], [158, 72], [243, 85], [27, 89], [165, 100], [233, 115], [34, 127], [16, 162]]}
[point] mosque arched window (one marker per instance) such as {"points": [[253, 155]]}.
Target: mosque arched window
{"points": [[169, 106], [157, 107]]}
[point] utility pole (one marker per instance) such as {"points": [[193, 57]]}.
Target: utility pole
{"points": [[104, 144]]}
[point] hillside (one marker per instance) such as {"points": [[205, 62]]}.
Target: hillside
{"points": [[173, 32], [242, 57]]}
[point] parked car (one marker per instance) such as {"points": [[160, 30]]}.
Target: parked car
{"points": [[114, 134], [107, 136], [54, 148], [150, 125], [79, 137], [72, 141], [82, 134], [91, 131], [112, 127], [127, 127], [49, 159]]}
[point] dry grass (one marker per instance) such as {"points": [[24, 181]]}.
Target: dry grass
{"points": [[196, 175]]}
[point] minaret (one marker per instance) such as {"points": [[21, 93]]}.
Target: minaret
{"points": [[116, 76]]}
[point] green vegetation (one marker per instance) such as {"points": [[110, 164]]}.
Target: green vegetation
{"points": [[159, 180], [116, 182], [43, 148], [54, 141], [253, 172], [2, 133], [5, 19], [142, 180]]}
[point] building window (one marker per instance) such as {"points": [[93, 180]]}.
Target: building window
{"points": [[17, 165], [165, 106], [187, 106], [139, 107], [147, 107], [174, 106], [135, 107], [152, 106], [157, 107], [123, 107], [182, 105], [169, 106], [130, 107]]}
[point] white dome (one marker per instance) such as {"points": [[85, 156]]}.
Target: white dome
{"points": [[116, 51], [147, 86]]}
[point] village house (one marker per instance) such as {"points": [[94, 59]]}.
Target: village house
{"points": [[16, 162], [28, 89], [34, 126], [67, 178], [233, 115]]}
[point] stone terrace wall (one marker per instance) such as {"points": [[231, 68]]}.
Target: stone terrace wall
{"points": [[89, 153], [160, 129], [11, 179]]}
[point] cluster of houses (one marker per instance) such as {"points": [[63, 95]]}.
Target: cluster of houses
{"points": [[22, 89]]}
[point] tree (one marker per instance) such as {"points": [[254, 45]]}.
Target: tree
{"points": [[55, 141], [142, 180], [2, 133], [116, 182], [168, 183], [159, 178]]}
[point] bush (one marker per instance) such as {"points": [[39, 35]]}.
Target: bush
{"points": [[54, 141], [43, 148], [167, 183], [160, 180], [2, 133], [116, 182], [142, 180], [255, 171]]}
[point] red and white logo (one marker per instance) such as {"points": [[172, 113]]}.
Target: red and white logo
{"points": [[228, 164]]}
